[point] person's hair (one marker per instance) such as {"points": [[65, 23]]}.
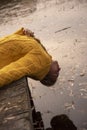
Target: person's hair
{"points": [[47, 81], [62, 122]]}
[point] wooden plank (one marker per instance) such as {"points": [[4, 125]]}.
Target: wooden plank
{"points": [[15, 107]]}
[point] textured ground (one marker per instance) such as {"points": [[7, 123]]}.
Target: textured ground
{"points": [[61, 25]]}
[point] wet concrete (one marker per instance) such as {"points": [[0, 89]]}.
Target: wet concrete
{"points": [[61, 25]]}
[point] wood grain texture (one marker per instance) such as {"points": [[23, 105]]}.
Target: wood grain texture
{"points": [[15, 107]]}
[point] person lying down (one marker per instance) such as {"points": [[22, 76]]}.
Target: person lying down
{"points": [[21, 54]]}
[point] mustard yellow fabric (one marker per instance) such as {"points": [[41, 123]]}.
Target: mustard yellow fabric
{"points": [[21, 55]]}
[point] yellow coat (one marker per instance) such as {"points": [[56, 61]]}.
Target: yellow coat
{"points": [[21, 55]]}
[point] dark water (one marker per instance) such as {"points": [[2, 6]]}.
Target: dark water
{"points": [[69, 95]]}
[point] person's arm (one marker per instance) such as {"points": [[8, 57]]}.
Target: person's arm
{"points": [[28, 32], [25, 31], [14, 71]]}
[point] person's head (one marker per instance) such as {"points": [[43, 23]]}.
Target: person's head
{"points": [[52, 75], [62, 122]]}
